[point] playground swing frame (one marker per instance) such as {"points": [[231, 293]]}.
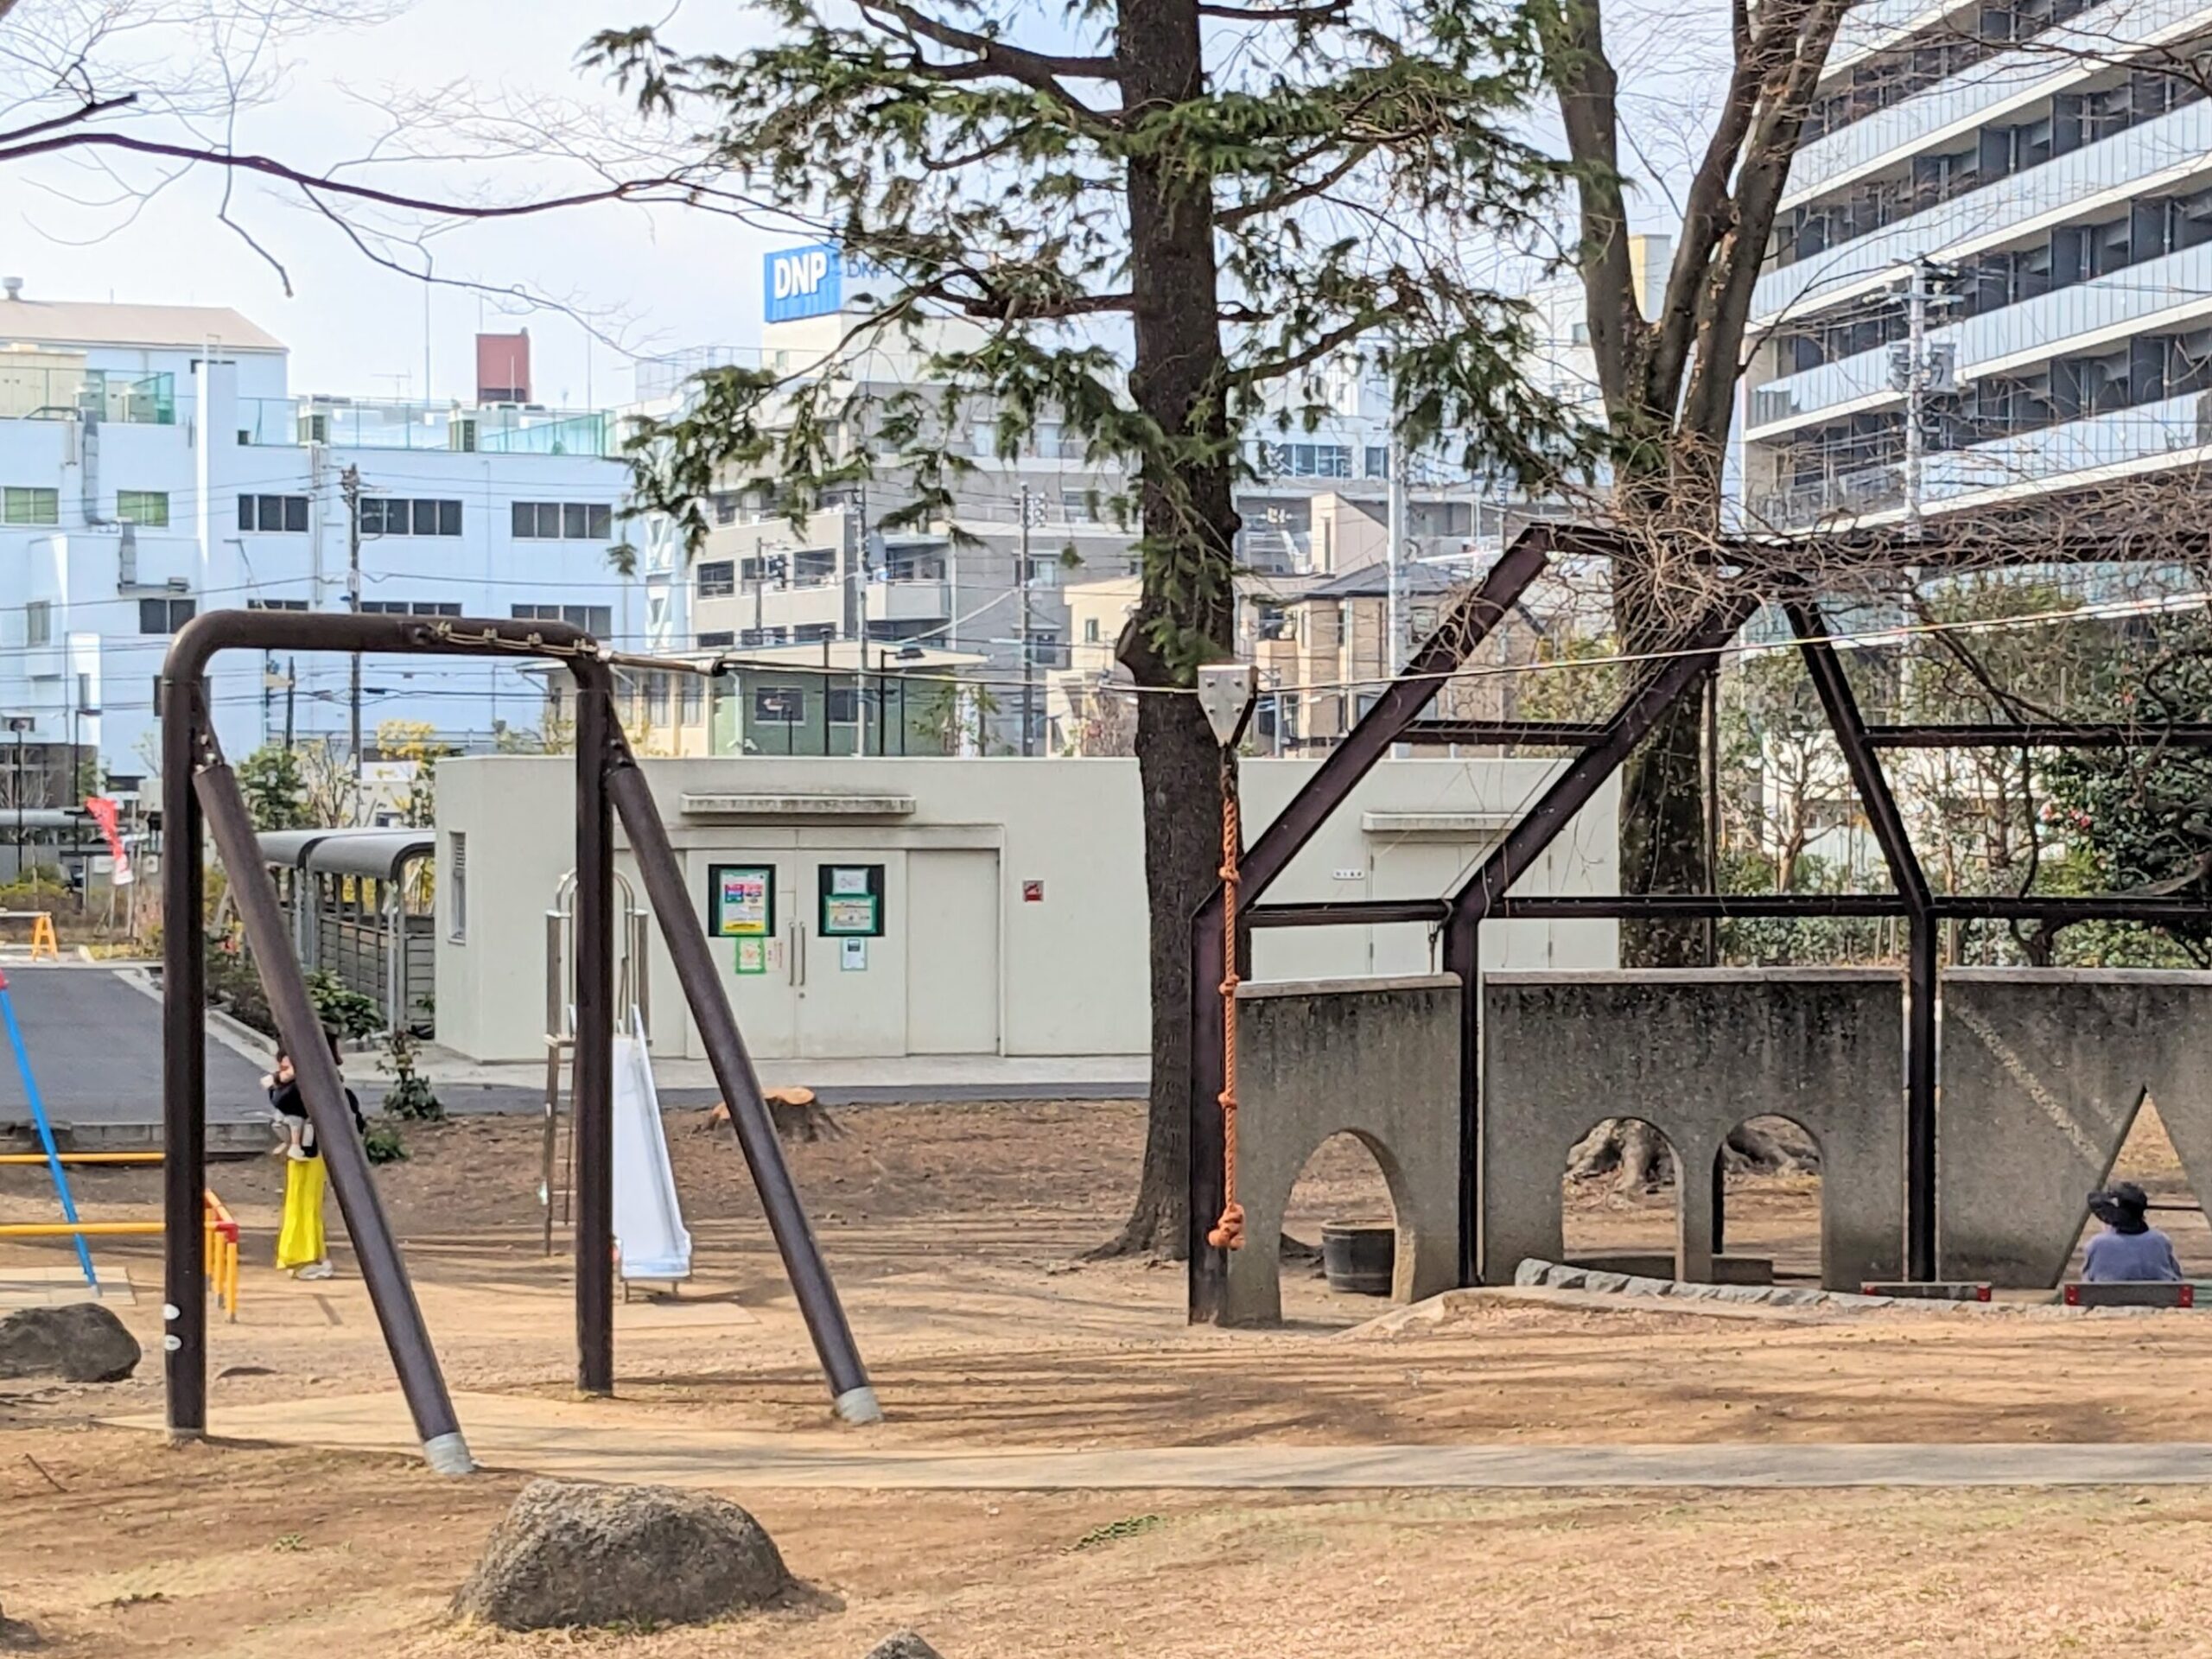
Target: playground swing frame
{"points": [[1600, 747], [201, 802]]}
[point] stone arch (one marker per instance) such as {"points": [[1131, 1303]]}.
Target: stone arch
{"points": [[1611, 1229], [1729, 1236]]}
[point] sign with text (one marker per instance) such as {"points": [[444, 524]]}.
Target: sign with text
{"points": [[809, 281], [852, 902], [742, 900]]}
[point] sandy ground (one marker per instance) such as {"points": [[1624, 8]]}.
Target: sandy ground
{"points": [[956, 1233]]}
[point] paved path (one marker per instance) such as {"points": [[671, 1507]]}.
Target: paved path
{"points": [[95, 1045], [617, 1442], [944, 1077]]}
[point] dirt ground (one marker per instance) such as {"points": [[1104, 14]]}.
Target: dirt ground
{"points": [[957, 1235]]}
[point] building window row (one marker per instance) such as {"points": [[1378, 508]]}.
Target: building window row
{"points": [[1930, 57], [274, 514], [398, 516], [562, 521], [598, 620], [20, 505], [2147, 228], [1994, 153], [147, 507], [408, 607], [1302, 459], [164, 615]]}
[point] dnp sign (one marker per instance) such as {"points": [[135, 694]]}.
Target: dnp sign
{"points": [[806, 281]]}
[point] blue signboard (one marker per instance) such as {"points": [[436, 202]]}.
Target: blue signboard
{"points": [[807, 281]]}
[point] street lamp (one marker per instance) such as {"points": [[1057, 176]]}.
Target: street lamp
{"points": [[20, 724]]}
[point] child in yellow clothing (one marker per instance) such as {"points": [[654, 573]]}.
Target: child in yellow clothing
{"points": [[301, 1248]]}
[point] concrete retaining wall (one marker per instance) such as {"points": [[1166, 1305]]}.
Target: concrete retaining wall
{"points": [[1695, 1053], [2044, 1071], [1378, 1058]]}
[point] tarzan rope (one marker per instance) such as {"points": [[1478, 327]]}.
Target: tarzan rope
{"points": [[1228, 1233]]}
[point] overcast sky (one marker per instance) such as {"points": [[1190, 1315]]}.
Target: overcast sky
{"points": [[659, 282]]}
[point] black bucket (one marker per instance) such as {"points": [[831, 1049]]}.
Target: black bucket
{"points": [[1359, 1257]]}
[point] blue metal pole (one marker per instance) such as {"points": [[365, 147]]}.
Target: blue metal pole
{"points": [[45, 1130]]}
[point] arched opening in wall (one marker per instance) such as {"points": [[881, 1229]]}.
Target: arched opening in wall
{"points": [[1766, 1205], [1340, 1199], [1620, 1200], [2147, 1157]]}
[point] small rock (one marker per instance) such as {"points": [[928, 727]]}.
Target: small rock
{"points": [[16, 1635], [571, 1553], [903, 1644], [229, 1371], [79, 1342]]}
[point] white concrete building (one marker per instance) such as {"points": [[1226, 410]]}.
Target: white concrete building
{"points": [[888, 907], [155, 461], [2035, 180]]}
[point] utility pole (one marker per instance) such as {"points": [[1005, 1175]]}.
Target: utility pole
{"points": [[1394, 528], [349, 482], [1028, 654], [291, 691]]}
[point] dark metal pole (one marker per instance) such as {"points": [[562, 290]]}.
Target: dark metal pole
{"points": [[382, 1271], [1462, 955], [732, 1068], [593, 1129], [184, 1069], [1920, 1151]]}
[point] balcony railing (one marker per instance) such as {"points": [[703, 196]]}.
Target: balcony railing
{"points": [[2069, 53], [2043, 326], [1987, 217], [379, 423], [28, 393], [2177, 428]]}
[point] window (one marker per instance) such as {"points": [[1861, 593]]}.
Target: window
{"points": [[595, 619], [148, 507], [457, 884], [163, 615], [422, 515], [725, 509], [691, 700], [779, 705], [1090, 630], [38, 623], [657, 699], [717, 579], [1307, 460], [408, 607], [276, 605], [1075, 505], [718, 639], [29, 506], [558, 521], [1043, 570], [274, 514], [843, 704], [1378, 461]]}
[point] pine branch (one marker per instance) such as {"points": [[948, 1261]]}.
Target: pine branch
{"points": [[991, 57]]}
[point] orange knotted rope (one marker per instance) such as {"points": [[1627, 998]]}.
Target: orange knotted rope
{"points": [[1228, 1233]]}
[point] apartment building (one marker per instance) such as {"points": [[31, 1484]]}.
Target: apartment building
{"points": [[988, 577], [2002, 216], [155, 462]]}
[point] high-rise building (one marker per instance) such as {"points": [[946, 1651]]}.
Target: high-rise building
{"points": [[155, 462], [2000, 222]]}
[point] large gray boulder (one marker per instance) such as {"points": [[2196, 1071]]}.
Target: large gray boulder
{"points": [[570, 1553], [79, 1342]]}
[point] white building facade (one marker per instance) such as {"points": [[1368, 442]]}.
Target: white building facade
{"points": [[2035, 181], [155, 462]]}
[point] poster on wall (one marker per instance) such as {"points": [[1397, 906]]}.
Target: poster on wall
{"points": [[852, 902], [741, 899], [752, 955]]}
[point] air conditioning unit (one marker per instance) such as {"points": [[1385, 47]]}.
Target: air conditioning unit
{"points": [[461, 434]]}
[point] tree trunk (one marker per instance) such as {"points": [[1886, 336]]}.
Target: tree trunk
{"points": [[1186, 612]]}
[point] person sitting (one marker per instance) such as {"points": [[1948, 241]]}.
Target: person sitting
{"points": [[2130, 1249]]}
